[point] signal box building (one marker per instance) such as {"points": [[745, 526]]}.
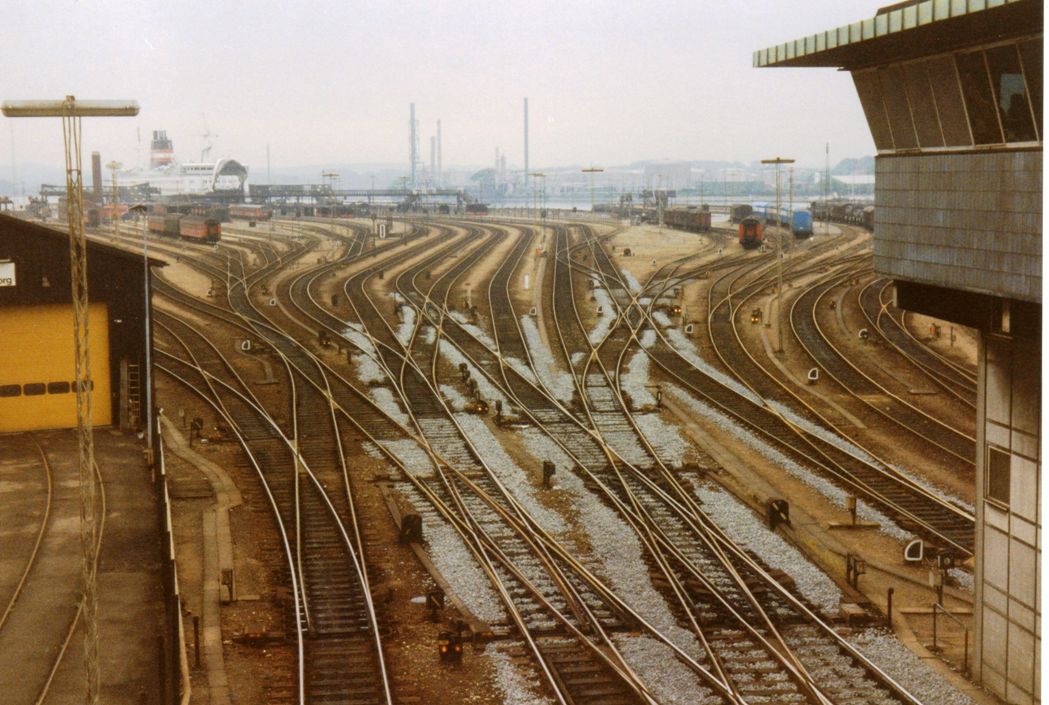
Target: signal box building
{"points": [[37, 366], [952, 93]]}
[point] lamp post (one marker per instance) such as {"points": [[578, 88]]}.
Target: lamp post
{"points": [[331, 177], [70, 110], [779, 255], [591, 171], [536, 175]]}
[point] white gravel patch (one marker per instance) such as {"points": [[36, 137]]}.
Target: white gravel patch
{"points": [[747, 530], [521, 485], [964, 579], [521, 368], [613, 543], [558, 382], [577, 357], [485, 388], [455, 400], [884, 649], [669, 680], [861, 454], [407, 326], [635, 380], [648, 338], [415, 460], [605, 319], [631, 281], [473, 330], [388, 403], [459, 567], [516, 687], [429, 334], [367, 370], [661, 318], [687, 350], [354, 333], [826, 488], [665, 438]]}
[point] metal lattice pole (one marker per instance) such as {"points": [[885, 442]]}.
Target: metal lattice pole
{"points": [[82, 358], [70, 110]]}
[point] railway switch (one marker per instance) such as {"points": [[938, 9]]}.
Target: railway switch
{"points": [[854, 568], [434, 602], [851, 504], [334, 300], [777, 511], [549, 470], [411, 529]]}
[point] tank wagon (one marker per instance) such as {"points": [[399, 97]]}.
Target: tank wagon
{"points": [[187, 227]]}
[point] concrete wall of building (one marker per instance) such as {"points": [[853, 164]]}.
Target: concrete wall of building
{"points": [[1008, 614], [962, 221]]}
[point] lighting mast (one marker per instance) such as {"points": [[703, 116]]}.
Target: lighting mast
{"points": [[70, 110]]}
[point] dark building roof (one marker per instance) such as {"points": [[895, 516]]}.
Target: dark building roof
{"points": [[909, 30], [10, 226]]}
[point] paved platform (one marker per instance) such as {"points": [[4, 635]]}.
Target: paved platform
{"points": [[39, 623]]}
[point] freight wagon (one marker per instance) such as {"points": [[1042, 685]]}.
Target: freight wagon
{"points": [[692, 218], [248, 211], [187, 227]]}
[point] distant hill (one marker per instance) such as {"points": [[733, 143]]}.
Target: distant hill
{"points": [[863, 165]]}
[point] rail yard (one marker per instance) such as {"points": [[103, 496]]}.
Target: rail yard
{"points": [[508, 460]]}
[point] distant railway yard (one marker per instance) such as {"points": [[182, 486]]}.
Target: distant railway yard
{"points": [[499, 460]]}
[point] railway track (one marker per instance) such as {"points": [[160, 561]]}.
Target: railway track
{"points": [[875, 300], [750, 638]]}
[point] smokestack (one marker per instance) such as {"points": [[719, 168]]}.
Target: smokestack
{"points": [[497, 161], [433, 159], [161, 151], [413, 146], [526, 139], [96, 176], [440, 166]]}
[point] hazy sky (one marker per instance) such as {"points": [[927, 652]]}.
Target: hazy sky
{"points": [[330, 82]]}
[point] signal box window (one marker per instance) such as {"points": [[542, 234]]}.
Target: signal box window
{"points": [[976, 87], [997, 475], [10, 390], [35, 389], [1031, 53], [1011, 94], [58, 388]]}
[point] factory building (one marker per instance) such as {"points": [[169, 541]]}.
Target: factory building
{"points": [[952, 93], [37, 366]]}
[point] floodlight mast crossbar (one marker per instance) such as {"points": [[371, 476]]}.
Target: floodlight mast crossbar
{"points": [[71, 111]]}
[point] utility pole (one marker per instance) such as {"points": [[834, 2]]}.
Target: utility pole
{"points": [[330, 177], [779, 254], [70, 110], [826, 192], [535, 190], [591, 171]]}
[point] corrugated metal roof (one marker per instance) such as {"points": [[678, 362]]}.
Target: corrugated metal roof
{"points": [[831, 47]]}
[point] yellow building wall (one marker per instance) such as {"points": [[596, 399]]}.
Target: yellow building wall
{"points": [[36, 346]]}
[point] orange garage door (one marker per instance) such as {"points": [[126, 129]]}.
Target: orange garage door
{"points": [[37, 367]]}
